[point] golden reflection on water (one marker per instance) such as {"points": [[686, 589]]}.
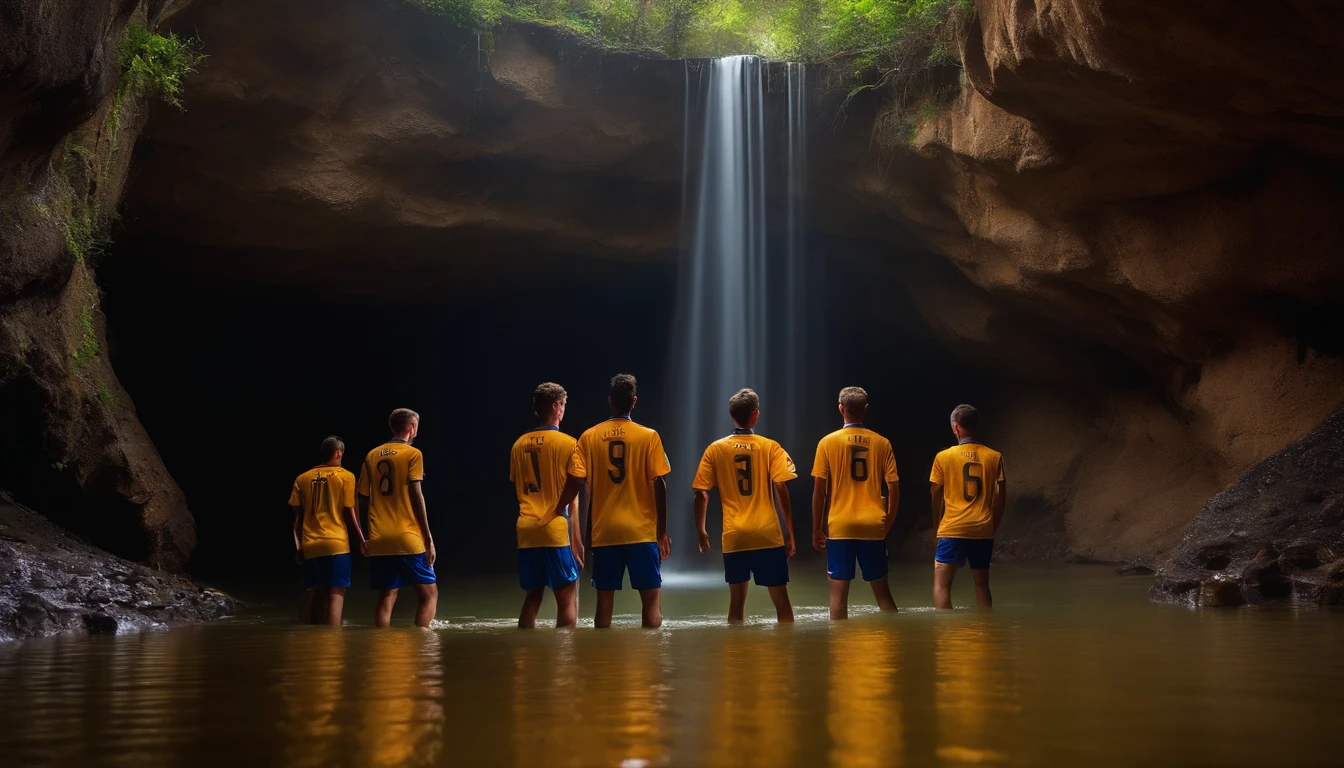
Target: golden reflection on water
{"points": [[863, 714], [970, 684], [314, 663], [754, 721], [401, 714]]}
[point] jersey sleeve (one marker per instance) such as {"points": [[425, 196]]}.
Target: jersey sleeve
{"points": [[658, 463], [415, 468], [704, 475], [889, 466], [819, 468], [347, 490], [513, 461], [576, 466], [294, 499], [781, 465], [363, 486], [1002, 476], [936, 474]]}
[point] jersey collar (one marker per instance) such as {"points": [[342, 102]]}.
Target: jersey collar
{"points": [[625, 416], [744, 431], [546, 427], [858, 424], [396, 440], [966, 440]]}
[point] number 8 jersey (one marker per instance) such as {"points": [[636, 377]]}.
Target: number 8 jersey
{"points": [[621, 459], [970, 474], [386, 479], [538, 465], [858, 463]]}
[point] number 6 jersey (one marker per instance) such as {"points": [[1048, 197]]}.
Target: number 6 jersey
{"points": [[970, 475], [538, 465], [386, 478], [858, 463], [745, 467], [620, 459]]}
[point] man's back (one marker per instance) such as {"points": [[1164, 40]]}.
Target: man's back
{"points": [[857, 463], [324, 492], [539, 465], [621, 459], [745, 468], [385, 478], [970, 474]]}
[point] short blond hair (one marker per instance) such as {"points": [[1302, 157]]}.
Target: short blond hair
{"points": [[401, 419]]}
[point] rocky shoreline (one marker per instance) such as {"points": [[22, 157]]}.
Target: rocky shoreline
{"points": [[51, 583]]}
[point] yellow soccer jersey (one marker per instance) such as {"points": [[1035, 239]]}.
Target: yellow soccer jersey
{"points": [[324, 493], [386, 479], [620, 459], [858, 463], [539, 464], [745, 467], [968, 501]]}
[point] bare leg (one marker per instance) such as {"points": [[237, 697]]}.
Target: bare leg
{"points": [[567, 605], [737, 602], [429, 603], [527, 618], [839, 599], [309, 598], [653, 607], [983, 599], [943, 574], [382, 613], [606, 599], [882, 591], [783, 608], [335, 606]]}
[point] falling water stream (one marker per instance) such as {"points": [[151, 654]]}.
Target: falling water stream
{"points": [[742, 306]]}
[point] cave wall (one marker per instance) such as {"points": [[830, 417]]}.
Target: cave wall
{"points": [[71, 444]]}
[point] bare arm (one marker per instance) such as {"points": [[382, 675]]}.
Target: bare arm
{"points": [[660, 506], [298, 534], [363, 503], [422, 517], [786, 508], [819, 486], [576, 521], [936, 500], [359, 532], [893, 502], [1000, 503], [702, 512], [567, 495]]}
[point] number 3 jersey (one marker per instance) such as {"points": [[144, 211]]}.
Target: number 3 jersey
{"points": [[970, 475], [324, 492], [386, 478], [745, 467], [858, 463], [539, 464], [621, 459]]}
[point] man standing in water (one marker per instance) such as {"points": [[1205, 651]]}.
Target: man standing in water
{"points": [[855, 529], [750, 472], [624, 465], [967, 510], [550, 555], [323, 498], [400, 547]]}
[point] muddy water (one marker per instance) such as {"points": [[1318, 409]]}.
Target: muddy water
{"points": [[1073, 666]]}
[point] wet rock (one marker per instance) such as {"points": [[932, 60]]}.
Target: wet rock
{"points": [[1287, 543], [1136, 568], [62, 584]]}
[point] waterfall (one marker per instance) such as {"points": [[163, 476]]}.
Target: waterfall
{"points": [[742, 290]]}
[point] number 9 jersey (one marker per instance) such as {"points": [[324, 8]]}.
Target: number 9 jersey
{"points": [[538, 466], [386, 479], [621, 459], [858, 463]]}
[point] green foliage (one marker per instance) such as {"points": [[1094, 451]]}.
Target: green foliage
{"points": [[88, 339], [154, 65], [59, 466], [105, 395], [861, 31]]}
